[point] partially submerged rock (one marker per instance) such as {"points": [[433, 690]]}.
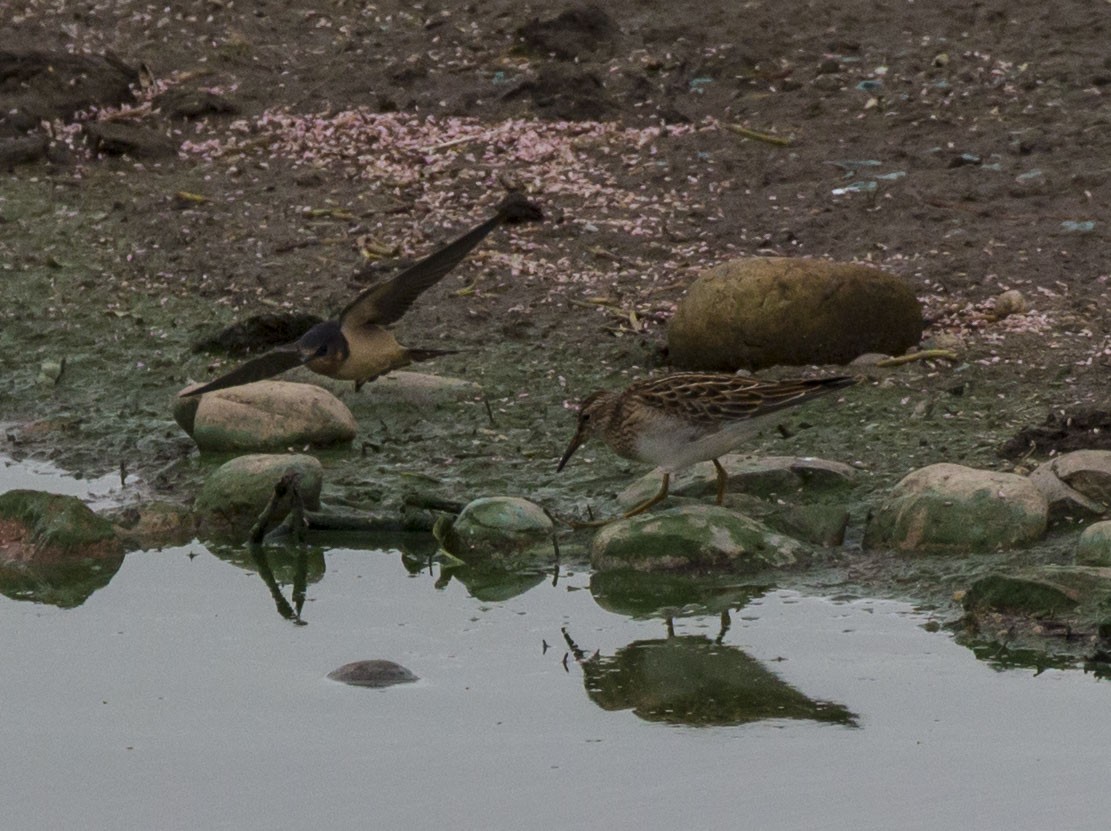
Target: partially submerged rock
{"points": [[952, 508], [265, 415], [765, 311], [693, 536], [154, 524], [236, 493], [46, 528], [373, 673], [54, 549], [763, 487], [500, 528]]}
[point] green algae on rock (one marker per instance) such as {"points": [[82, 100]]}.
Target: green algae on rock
{"points": [[504, 528], [953, 508], [238, 491], [694, 536], [43, 528]]}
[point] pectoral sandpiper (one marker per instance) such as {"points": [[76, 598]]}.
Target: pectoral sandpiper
{"points": [[687, 417]]}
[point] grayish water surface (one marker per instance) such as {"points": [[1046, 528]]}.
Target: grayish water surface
{"points": [[177, 697]]}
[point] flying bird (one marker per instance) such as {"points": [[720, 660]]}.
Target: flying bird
{"points": [[356, 346]]}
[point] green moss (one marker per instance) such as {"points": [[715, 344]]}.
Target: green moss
{"points": [[62, 523]]}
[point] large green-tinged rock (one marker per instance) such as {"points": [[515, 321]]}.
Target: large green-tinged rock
{"points": [[693, 536], [234, 495], [44, 528], [54, 549], [265, 415], [765, 311], [952, 508], [501, 528]]}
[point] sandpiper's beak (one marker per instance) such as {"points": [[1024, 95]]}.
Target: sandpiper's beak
{"points": [[578, 438]]}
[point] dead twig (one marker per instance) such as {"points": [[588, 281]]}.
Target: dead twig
{"points": [[767, 138], [924, 355]]}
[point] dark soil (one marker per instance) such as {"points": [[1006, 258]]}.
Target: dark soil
{"points": [[963, 147]]}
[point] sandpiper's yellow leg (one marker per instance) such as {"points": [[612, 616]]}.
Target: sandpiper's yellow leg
{"points": [[644, 506], [722, 476]]}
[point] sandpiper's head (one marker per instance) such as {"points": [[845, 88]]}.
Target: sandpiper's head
{"points": [[324, 348], [595, 413]]}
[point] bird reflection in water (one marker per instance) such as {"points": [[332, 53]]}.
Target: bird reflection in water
{"points": [[697, 681]]}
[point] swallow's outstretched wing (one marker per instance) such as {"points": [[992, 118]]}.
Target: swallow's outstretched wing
{"points": [[257, 369], [385, 302]]}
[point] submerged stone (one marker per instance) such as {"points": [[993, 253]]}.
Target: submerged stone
{"points": [[947, 507], [45, 528], [500, 528], [234, 495], [265, 415], [373, 673], [1019, 594], [693, 536]]}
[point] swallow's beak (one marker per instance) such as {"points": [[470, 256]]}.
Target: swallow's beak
{"points": [[576, 440]]}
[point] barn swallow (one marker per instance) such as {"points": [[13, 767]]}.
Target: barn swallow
{"points": [[356, 346]]}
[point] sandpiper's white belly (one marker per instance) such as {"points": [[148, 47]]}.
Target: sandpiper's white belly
{"points": [[685, 445]]}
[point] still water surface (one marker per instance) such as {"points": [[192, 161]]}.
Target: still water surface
{"points": [[177, 697]]}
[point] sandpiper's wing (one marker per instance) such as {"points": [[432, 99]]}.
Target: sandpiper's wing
{"points": [[257, 369], [711, 398], [387, 301]]}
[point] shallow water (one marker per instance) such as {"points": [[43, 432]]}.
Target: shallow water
{"points": [[178, 697], [98, 492]]}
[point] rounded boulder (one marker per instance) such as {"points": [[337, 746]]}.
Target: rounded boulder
{"points": [[947, 507], [265, 415], [767, 311], [238, 491]]}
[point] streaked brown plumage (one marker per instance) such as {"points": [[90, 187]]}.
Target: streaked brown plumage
{"points": [[356, 346], [688, 417]]}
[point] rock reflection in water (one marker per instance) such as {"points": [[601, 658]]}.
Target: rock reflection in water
{"points": [[65, 585]]}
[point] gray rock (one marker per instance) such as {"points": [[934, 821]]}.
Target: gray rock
{"points": [[373, 673], [770, 476], [947, 507], [1064, 502], [693, 536], [236, 493], [765, 311], [419, 388], [1087, 472], [1094, 546], [265, 415], [500, 528]]}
